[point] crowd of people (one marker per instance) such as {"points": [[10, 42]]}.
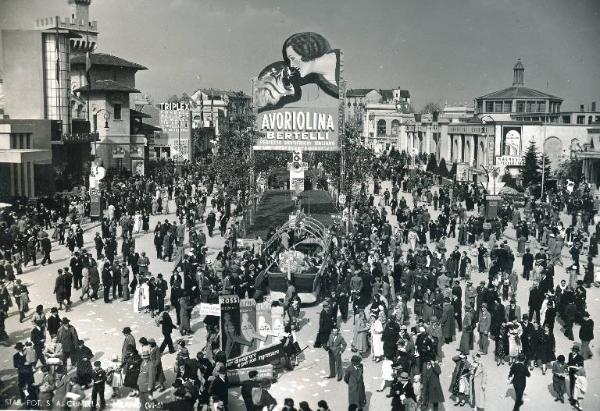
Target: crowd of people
{"points": [[409, 295], [54, 367]]}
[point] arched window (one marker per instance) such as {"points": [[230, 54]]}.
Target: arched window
{"points": [[395, 127], [381, 128]]}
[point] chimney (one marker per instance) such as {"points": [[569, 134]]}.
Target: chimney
{"points": [[581, 108], [593, 106]]}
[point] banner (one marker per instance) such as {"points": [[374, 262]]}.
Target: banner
{"points": [[511, 141], [299, 98], [118, 151], [256, 358], [248, 322], [210, 309], [231, 338], [237, 376], [263, 323]]}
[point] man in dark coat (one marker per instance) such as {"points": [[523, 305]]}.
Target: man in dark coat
{"points": [[24, 370], [325, 326], [447, 320], [59, 289], [574, 362], [390, 336], [38, 340], [247, 387], [67, 336], [535, 302], [167, 328], [527, 263], [431, 391], [353, 376], [46, 248], [586, 335], [107, 281], [518, 377]]}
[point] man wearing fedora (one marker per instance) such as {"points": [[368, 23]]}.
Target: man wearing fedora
{"points": [[402, 392], [353, 376], [574, 362], [335, 346], [67, 336], [24, 370], [146, 380]]}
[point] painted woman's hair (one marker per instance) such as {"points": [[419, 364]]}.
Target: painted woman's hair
{"points": [[308, 45]]}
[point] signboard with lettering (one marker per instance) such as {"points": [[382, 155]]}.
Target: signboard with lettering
{"points": [[237, 376], [260, 357], [299, 98], [95, 202], [176, 123], [510, 161]]}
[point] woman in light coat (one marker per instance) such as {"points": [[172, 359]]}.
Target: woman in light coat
{"points": [[478, 383], [376, 336], [361, 329]]}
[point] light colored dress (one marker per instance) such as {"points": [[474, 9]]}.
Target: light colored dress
{"points": [[377, 340], [137, 223]]}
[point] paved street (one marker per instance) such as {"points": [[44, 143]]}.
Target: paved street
{"points": [[306, 382], [97, 323]]}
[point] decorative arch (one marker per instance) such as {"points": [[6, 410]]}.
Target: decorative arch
{"points": [[467, 157], [395, 127], [553, 148]]}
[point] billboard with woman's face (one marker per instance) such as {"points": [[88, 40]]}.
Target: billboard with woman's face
{"points": [[298, 98]]}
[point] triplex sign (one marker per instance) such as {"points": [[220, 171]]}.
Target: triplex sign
{"points": [[174, 106]]}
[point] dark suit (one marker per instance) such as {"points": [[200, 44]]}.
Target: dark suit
{"points": [[247, 393], [519, 374], [527, 265], [336, 345]]}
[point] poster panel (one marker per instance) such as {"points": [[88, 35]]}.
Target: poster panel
{"points": [[95, 202], [298, 99], [248, 322], [230, 325], [137, 167], [278, 325], [263, 323]]}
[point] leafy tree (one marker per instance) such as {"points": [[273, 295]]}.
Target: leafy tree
{"points": [[432, 164], [442, 168], [530, 174], [430, 108], [232, 163], [267, 160], [570, 169]]}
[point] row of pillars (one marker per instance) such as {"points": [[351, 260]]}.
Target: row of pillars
{"points": [[22, 179]]}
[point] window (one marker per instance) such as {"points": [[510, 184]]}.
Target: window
{"points": [[395, 127], [520, 106], [566, 119], [498, 107], [479, 106], [590, 120], [117, 108], [489, 106], [542, 106], [530, 107], [381, 128], [507, 106], [580, 119]]}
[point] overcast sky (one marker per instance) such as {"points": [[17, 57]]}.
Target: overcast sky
{"points": [[441, 50]]}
